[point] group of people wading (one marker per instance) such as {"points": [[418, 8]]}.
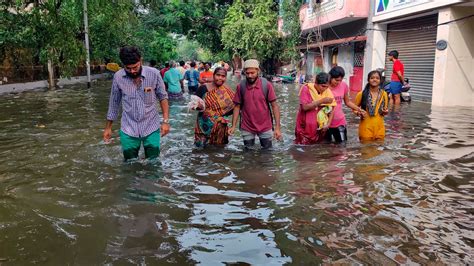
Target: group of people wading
{"points": [[138, 89]]}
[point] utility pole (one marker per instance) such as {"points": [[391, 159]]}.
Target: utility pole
{"points": [[86, 31]]}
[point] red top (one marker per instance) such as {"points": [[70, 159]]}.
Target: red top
{"points": [[255, 113], [206, 74], [163, 71], [397, 66]]}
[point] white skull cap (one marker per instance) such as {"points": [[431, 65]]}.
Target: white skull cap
{"points": [[251, 63]]}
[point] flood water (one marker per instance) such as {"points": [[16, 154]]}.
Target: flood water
{"points": [[68, 199]]}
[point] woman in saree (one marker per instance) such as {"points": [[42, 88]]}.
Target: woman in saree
{"points": [[313, 98], [211, 123]]}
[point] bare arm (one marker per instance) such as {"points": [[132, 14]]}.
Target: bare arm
{"points": [[314, 104], [350, 104], [235, 118], [331, 116], [276, 114], [400, 76], [107, 131], [165, 127]]}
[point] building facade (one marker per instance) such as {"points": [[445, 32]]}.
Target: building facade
{"points": [[333, 33], [435, 40]]}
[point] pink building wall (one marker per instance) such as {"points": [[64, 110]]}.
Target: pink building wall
{"points": [[341, 11]]}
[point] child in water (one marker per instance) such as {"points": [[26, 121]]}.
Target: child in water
{"points": [[373, 102]]}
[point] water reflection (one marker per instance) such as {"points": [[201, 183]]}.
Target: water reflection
{"points": [[67, 197]]}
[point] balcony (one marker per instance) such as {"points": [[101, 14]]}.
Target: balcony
{"points": [[333, 13]]}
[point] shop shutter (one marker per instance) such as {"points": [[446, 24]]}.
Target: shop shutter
{"points": [[417, 52]]}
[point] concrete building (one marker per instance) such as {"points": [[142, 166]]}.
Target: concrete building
{"points": [[435, 39], [334, 34]]}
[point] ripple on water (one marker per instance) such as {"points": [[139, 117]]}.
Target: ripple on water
{"points": [[66, 197]]}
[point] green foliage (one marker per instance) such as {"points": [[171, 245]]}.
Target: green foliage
{"points": [[250, 29], [204, 55], [291, 28], [188, 50], [112, 24], [49, 29], [214, 29], [157, 45], [199, 20]]}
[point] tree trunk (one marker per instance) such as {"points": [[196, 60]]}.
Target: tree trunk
{"points": [[51, 80]]}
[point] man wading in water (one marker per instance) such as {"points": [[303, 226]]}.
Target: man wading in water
{"points": [[137, 88], [253, 98]]}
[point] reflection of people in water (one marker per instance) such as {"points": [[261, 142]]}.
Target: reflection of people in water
{"points": [[333, 182], [372, 164]]}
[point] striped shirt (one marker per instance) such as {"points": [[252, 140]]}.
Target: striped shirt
{"points": [[140, 115]]}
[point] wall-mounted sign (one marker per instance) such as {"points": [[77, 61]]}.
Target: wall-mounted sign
{"points": [[385, 6]]}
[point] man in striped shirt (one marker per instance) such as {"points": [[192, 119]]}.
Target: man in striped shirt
{"points": [[137, 88]]}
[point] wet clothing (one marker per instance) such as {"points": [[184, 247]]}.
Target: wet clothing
{"points": [[339, 92], [372, 127], [139, 101], [306, 130], [179, 96], [395, 87], [337, 134], [131, 145], [211, 124], [172, 79], [192, 76], [265, 138], [192, 89], [255, 111]]}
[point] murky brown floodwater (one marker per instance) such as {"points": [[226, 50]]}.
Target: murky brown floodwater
{"points": [[68, 199]]}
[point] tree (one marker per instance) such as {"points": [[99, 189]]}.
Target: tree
{"points": [[112, 24], [49, 28], [291, 28], [54, 33], [250, 29], [199, 20]]}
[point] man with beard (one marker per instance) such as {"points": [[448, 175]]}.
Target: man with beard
{"points": [[253, 98], [137, 88]]}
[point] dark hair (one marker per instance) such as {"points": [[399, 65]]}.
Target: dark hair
{"points": [[394, 53], [322, 78], [181, 63], [219, 69], [152, 62], [337, 72], [193, 64], [366, 91], [130, 55], [167, 64]]}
